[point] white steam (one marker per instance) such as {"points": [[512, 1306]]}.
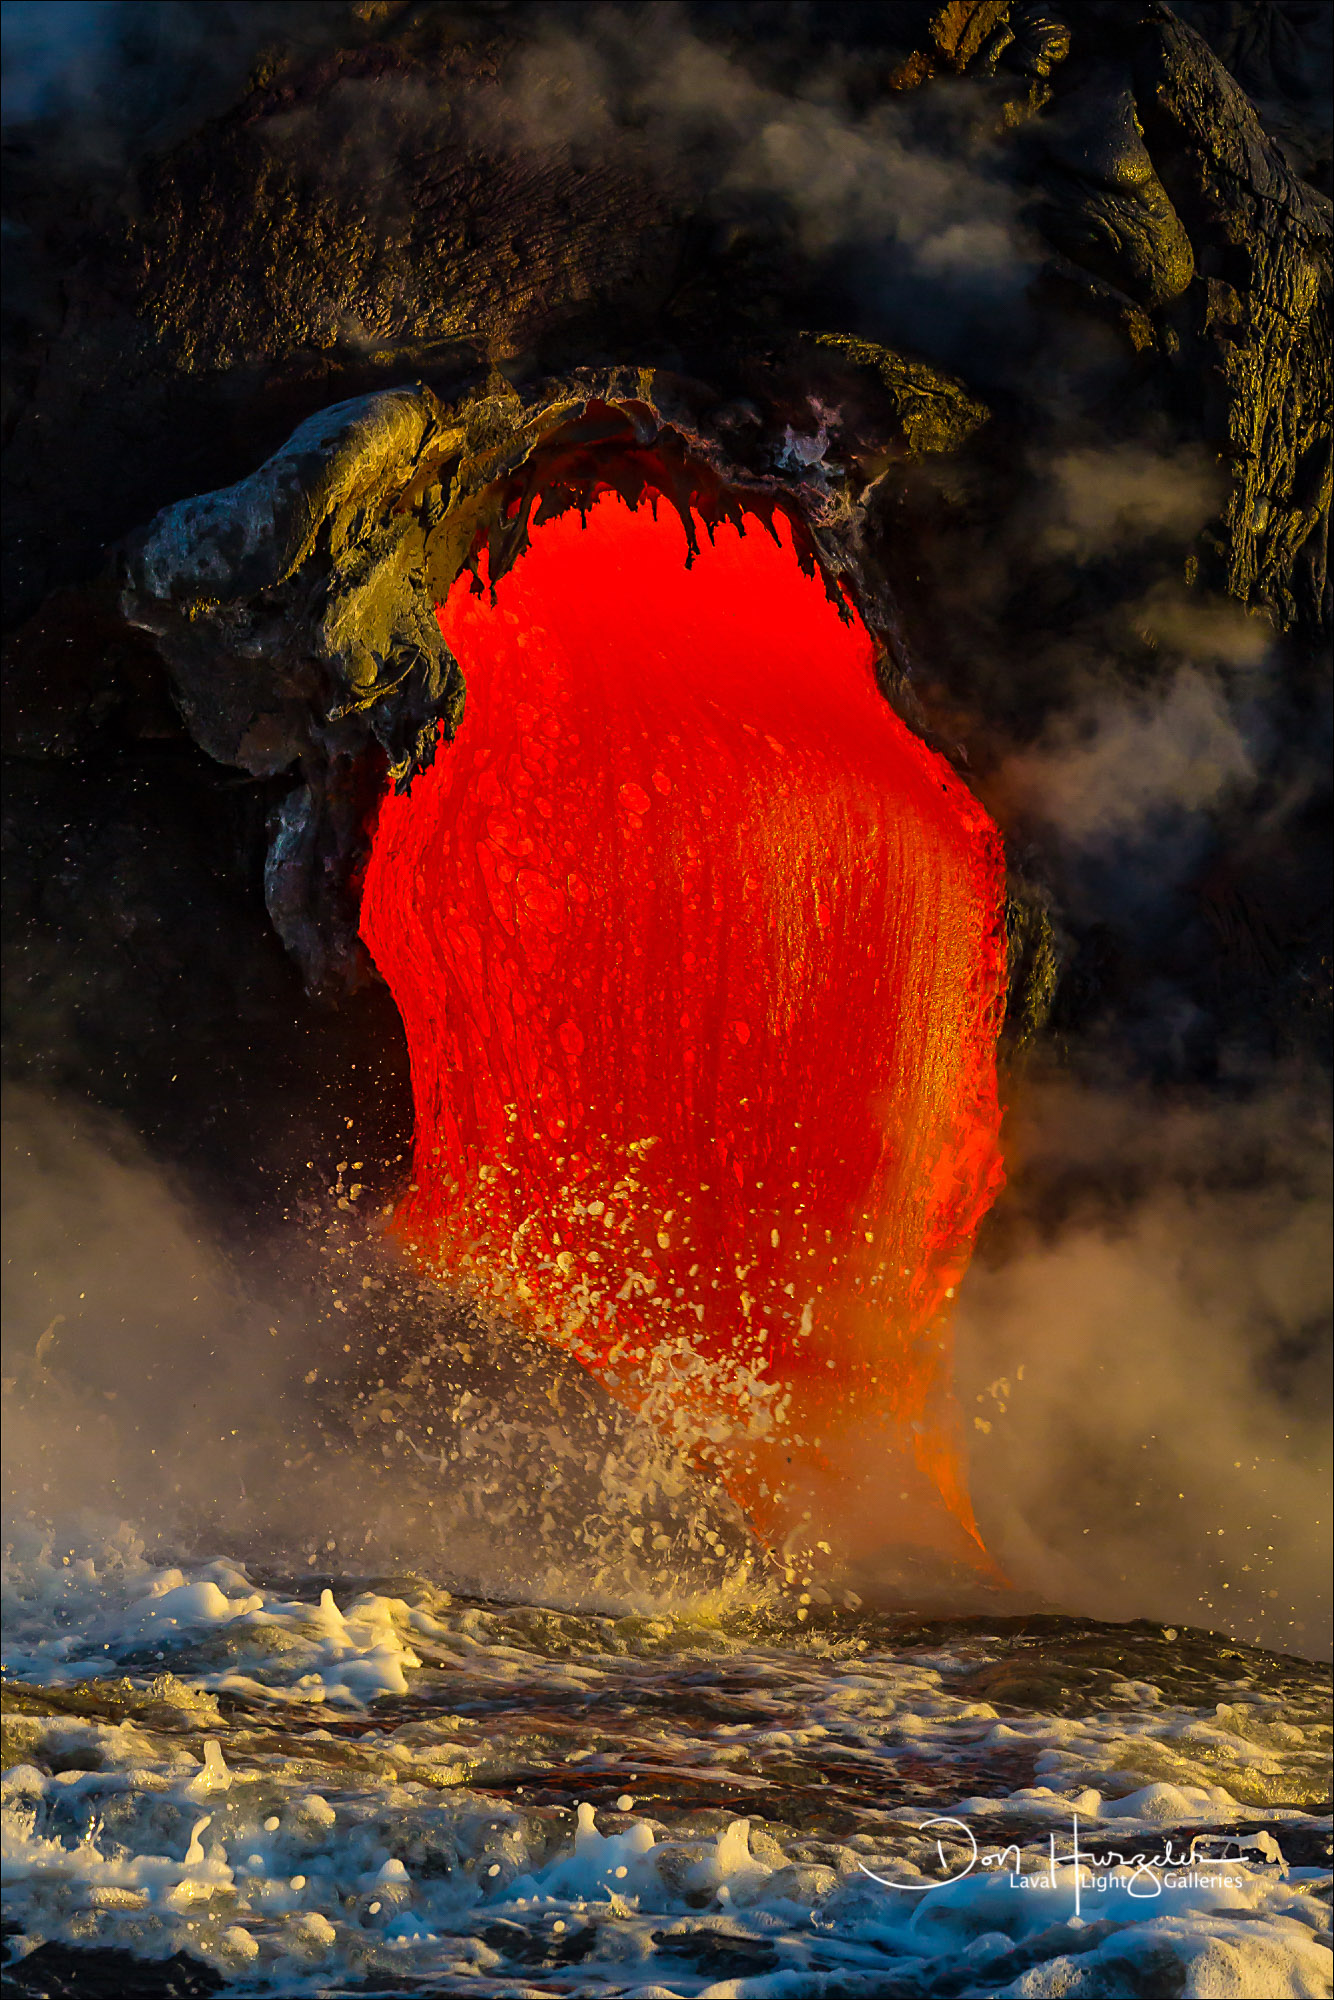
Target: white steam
{"points": [[913, 199], [1116, 767], [339, 1418], [1146, 1378], [1103, 500]]}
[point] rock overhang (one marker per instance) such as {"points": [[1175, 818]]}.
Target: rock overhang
{"points": [[295, 609]]}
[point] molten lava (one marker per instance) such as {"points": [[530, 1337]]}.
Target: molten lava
{"points": [[699, 954]]}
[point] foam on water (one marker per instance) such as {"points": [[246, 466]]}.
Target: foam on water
{"points": [[307, 1784]]}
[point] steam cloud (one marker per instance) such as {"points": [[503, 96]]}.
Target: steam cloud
{"points": [[1144, 1335], [114, 78], [132, 1359], [203, 1396], [1146, 1379], [1133, 764], [904, 201]]}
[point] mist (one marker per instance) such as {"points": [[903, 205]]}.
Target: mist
{"points": [[294, 1396], [107, 80], [1144, 1335], [137, 1373], [903, 207], [1146, 1372]]}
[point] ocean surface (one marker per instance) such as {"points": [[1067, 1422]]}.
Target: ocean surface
{"points": [[227, 1779]]}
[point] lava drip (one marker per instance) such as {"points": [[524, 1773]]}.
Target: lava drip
{"points": [[699, 955]]}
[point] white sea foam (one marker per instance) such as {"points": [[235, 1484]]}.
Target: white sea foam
{"points": [[305, 1792]]}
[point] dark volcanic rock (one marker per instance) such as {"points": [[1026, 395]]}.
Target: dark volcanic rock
{"points": [[1263, 336], [62, 1972]]}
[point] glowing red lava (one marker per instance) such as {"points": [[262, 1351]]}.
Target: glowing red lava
{"points": [[699, 955]]}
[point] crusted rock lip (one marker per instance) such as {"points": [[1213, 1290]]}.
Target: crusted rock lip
{"points": [[295, 609]]}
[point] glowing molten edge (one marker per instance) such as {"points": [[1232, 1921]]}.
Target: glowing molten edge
{"points": [[699, 955]]}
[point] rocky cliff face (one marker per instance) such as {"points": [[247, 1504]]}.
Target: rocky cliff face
{"points": [[1021, 319]]}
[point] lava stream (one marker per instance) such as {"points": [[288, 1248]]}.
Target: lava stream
{"points": [[699, 954]]}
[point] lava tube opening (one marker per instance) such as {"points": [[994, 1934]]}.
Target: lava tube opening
{"points": [[699, 955]]}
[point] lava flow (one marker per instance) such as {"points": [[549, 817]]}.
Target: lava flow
{"points": [[699, 954]]}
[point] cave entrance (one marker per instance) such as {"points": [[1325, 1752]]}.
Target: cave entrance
{"points": [[699, 955]]}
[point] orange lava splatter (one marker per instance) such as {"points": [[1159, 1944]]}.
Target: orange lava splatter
{"points": [[699, 956]]}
